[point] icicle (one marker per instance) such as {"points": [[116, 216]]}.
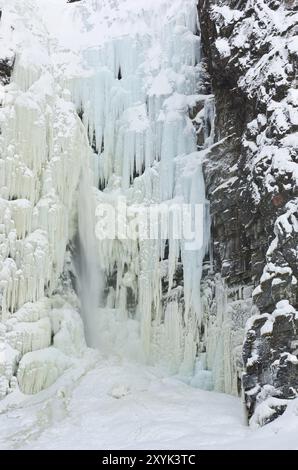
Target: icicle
{"points": [[42, 144]]}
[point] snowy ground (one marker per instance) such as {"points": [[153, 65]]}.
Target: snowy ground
{"points": [[118, 405]]}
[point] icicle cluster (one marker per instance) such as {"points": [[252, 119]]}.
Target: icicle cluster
{"points": [[134, 97], [42, 147]]}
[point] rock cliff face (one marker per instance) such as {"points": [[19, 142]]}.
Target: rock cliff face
{"points": [[251, 176]]}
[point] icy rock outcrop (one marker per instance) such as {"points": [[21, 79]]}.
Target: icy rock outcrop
{"points": [[251, 175], [30, 336], [9, 359], [270, 354], [39, 369], [225, 312]]}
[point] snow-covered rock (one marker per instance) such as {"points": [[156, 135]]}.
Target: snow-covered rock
{"points": [[251, 177], [40, 369]]}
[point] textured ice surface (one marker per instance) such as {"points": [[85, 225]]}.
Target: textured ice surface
{"points": [[133, 69]]}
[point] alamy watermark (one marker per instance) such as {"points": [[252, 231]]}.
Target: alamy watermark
{"points": [[174, 221]]}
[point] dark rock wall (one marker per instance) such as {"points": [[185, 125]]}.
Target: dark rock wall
{"points": [[251, 177], [6, 65]]}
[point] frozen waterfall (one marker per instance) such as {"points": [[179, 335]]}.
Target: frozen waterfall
{"points": [[141, 80], [110, 111]]}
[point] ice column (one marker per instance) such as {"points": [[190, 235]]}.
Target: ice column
{"points": [[90, 276]]}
